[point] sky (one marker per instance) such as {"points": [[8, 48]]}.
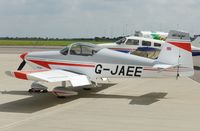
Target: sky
{"points": [[90, 18]]}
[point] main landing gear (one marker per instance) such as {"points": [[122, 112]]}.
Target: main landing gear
{"points": [[37, 88], [87, 89], [62, 92], [37, 91]]}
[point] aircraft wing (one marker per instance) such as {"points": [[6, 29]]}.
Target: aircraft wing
{"points": [[51, 76]]}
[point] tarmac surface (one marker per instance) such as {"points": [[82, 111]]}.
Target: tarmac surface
{"points": [[120, 105]]}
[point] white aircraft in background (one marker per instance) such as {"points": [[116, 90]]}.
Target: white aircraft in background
{"points": [[137, 46], [196, 42], [163, 36], [81, 64], [146, 47]]}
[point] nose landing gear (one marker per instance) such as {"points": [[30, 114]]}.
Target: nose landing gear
{"points": [[37, 88]]}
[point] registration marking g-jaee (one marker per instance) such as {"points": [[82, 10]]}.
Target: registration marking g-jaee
{"points": [[118, 70], [99, 69]]}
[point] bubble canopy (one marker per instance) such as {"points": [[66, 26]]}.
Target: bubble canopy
{"points": [[80, 48]]}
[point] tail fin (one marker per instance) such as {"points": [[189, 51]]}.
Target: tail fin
{"points": [[178, 53], [196, 42]]}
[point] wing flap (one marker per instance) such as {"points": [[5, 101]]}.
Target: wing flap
{"points": [[52, 76]]}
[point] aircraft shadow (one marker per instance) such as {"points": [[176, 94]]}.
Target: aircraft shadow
{"points": [[37, 102]]}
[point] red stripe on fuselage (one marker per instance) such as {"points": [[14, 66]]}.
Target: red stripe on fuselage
{"points": [[47, 63], [184, 45], [121, 49]]}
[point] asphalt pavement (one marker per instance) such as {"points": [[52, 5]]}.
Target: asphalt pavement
{"points": [[163, 104]]}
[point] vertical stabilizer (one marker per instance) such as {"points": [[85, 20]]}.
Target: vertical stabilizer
{"points": [[178, 53]]}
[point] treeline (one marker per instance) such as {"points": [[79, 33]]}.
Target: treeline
{"points": [[61, 39]]}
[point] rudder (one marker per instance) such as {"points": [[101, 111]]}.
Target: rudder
{"points": [[177, 52]]}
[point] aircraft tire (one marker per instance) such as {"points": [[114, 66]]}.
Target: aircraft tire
{"points": [[87, 89], [30, 91], [44, 91], [61, 97]]}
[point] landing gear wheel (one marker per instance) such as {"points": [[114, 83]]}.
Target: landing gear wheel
{"points": [[44, 91], [34, 91], [61, 92], [30, 90], [87, 89], [37, 91], [61, 97], [38, 88]]}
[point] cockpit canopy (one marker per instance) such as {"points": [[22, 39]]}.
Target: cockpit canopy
{"points": [[83, 49], [121, 41]]}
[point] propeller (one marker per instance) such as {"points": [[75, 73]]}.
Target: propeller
{"points": [[21, 66]]}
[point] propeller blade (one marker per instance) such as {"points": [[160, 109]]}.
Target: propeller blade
{"points": [[21, 66]]}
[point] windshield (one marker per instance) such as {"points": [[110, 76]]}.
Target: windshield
{"points": [[84, 50], [65, 51], [121, 41]]}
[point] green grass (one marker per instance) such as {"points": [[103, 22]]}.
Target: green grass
{"points": [[44, 42]]}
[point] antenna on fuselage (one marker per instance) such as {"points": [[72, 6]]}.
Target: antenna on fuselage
{"points": [[178, 67]]}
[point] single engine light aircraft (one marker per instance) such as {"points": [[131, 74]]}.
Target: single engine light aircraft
{"points": [[146, 47], [81, 64]]}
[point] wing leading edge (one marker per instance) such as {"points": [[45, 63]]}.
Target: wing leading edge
{"points": [[51, 76]]}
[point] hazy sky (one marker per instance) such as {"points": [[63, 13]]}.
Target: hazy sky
{"points": [[89, 18]]}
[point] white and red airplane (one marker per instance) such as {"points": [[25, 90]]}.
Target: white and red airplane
{"points": [[80, 64], [152, 35], [141, 46]]}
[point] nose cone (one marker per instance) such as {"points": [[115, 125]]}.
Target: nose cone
{"points": [[24, 55]]}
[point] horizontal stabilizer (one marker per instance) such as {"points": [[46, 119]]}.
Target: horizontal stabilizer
{"points": [[163, 66]]}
